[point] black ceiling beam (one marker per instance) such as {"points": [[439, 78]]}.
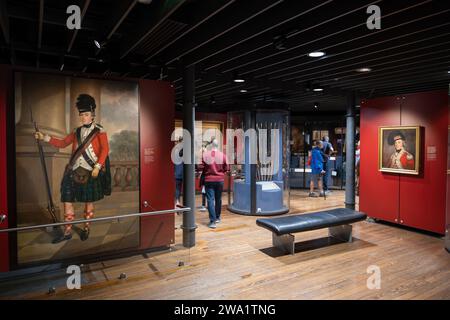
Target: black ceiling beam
{"points": [[52, 16], [75, 32], [156, 13], [350, 68], [236, 15], [405, 21], [351, 53], [380, 74], [402, 67], [264, 44], [420, 79], [55, 52], [421, 70], [349, 30], [278, 16], [4, 21], [40, 25], [204, 12], [402, 91], [119, 13]]}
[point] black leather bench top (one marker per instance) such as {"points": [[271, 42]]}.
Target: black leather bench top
{"points": [[311, 221]]}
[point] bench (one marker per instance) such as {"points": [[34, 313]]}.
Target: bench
{"points": [[336, 220]]}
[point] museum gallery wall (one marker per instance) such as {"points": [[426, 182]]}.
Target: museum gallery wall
{"points": [[137, 117], [407, 187]]}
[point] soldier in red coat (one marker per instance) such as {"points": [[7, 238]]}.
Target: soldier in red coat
{"points": [[400, 159], [87, 177]]}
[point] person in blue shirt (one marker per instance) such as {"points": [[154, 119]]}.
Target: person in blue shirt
{"points": [[316, 169]]}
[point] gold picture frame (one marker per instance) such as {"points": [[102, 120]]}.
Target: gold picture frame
{"points": [[399, 149]]}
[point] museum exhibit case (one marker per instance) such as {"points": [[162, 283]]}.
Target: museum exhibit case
{"points": [[303, 133], [259, 167]]}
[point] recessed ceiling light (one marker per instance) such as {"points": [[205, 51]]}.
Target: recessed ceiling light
{"points": [[316, 54], [448, 72], [364, 70], [316, 105], [237, 78], [318, 89], [243, 91]]}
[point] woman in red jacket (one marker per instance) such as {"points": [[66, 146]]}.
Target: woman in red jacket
{"points": [[87, 178]]}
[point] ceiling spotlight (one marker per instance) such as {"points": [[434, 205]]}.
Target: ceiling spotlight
{"points": [[364, 70], [243, 91], [316, 105], [448, 72], [237, 78], [97, 44], [316, 54]]}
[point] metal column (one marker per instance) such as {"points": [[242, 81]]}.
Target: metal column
{"points": [[253, 168], [189, 168], [350, 154]]}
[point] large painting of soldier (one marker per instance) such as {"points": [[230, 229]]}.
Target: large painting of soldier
{"points": [[399, 149], [77, 157]]}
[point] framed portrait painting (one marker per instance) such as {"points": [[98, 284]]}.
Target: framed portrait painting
{"points": [[399, 149]]}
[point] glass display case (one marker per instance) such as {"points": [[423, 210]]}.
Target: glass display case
{"points": [[260, 164]]}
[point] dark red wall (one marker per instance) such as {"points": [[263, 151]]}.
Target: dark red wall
{"points": [[415, 201], [5, 85], [156, 103]]}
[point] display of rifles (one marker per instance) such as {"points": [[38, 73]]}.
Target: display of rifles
{"points": [[50, 205]]}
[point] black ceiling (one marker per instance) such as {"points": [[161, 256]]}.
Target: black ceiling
{"points": [[264, 41]]}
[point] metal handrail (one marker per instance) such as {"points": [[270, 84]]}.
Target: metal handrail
{"points": [[123, 216]]}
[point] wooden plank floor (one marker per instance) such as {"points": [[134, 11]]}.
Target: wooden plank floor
{"points": [[236, 261]]}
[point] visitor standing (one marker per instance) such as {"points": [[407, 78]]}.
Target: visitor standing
{"points": [[214, 169]]}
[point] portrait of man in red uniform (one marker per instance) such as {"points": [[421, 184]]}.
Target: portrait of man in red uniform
{"points": [[87, 176], [400, 158], [399, 149]]}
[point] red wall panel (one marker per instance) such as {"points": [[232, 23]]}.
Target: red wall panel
{"points": [[379, 192], [415, 201], [156, 103], [5, 85], [422, 198]]}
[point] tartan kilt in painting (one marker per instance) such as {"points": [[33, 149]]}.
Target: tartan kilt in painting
{"points": [[94, 190]]}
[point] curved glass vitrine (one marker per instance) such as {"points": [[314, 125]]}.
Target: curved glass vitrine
{"points": [[259, 144]]}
